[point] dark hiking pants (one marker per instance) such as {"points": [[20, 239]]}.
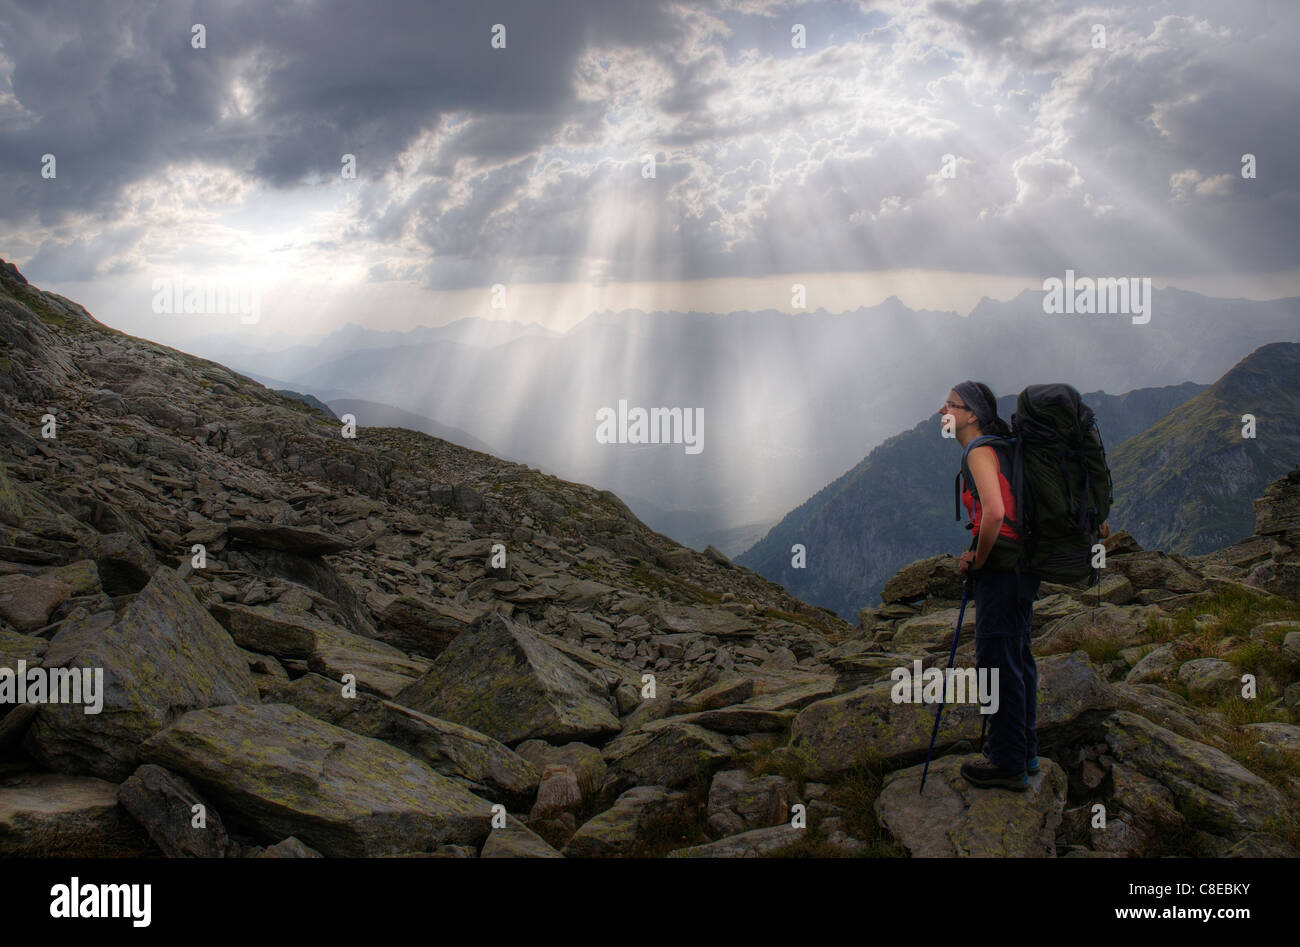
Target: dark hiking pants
{"points": [[1004, 608]]}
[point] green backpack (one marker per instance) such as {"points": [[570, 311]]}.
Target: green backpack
{"points": [[1061, 482]]}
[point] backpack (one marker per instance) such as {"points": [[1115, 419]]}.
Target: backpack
{"points": [[1060, 481]]}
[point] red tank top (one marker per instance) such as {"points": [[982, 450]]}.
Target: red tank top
{"points": [[1008, 502]]}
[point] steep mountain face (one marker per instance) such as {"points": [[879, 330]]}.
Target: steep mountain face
{"points": [[896, 506], [1186, 483], [372, 646]]}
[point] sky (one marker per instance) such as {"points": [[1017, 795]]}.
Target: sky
{"points": [[541, 160]]}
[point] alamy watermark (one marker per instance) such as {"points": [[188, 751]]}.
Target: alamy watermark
{"points": [[1106, 294], [652, 426], [103, 900], [176, 295], [40, 685], [946, 686]]}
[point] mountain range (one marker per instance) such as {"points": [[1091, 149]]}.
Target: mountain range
{"points": [[790, 402]]}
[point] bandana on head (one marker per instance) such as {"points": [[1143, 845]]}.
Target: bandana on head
{"points": [[970, 393]]}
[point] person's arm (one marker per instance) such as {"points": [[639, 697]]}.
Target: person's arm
{"points": [[983, 463]]}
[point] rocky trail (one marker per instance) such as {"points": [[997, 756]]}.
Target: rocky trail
{"points": [[310, 644]]}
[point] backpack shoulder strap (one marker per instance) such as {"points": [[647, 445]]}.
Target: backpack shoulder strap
{"points": [[964, 474], [977, 442], [982, 439]]}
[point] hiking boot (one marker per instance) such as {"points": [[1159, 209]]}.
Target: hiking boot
{"points": [[1031, 764], [983, 773]]}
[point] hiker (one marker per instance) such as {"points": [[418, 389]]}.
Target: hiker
{"points": [[999, 560], [1004, 595]]}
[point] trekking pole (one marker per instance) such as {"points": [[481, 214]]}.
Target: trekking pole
{"points": [[961, 614]]}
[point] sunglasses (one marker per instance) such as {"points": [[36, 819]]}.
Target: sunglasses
{"points": [[953, 404]]}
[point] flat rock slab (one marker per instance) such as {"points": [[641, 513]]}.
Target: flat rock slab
{"points": [[955, 819], [706, 621], [833, 734], [53, 815], [1227, 796], [328, 649], [933, 631], [755, 843], [340, 793], [1121, 625], [302, 540], [488, 768], [503, 680], [162, 656]]}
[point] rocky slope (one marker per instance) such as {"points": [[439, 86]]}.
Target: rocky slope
{"points": [[313, 644]]}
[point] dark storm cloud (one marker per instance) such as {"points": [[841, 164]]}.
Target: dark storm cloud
{"points": [[526, 163], [114, 89]]}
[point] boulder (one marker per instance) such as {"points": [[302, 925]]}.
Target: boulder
{"points": [[614, 832], [586, 762], [516, 840], [1119, 626], [1145, 798], [668, 752], [503, 680], [81, 577], [1114, 589], [739, 802], [1157, 665], [1165, 709], [163, 803], [290, 774], [1228, 798], [289, 848], [734, 689], [935, 577], [50, 815], [420, 626], [1210, 678], [954, 819], [26, 602], [1291, 649], [717, 622], [15, 647], [162, 656], [557, 793], [1278, 741], [1151, 569]]}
